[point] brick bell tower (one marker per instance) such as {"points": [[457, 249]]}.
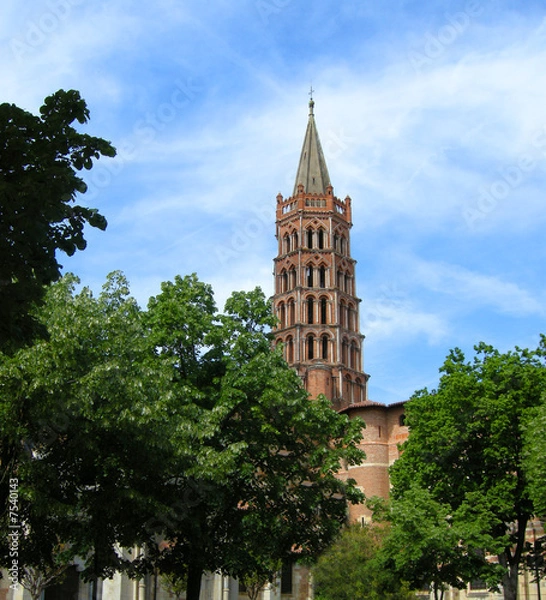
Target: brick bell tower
{"points": [[315, 297]]}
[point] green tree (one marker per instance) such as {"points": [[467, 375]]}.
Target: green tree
{"points": [[86, 427], [351, 570], [425, 544], [39, 160], [466, 448], [263, 486]]}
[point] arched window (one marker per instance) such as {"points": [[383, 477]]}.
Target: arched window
{"points": [[349, 389], [309, 238], [287, 243], [282, 315], [324, 347], [342, 313], [310, 310], [284, 281], [402, 420], [336, 241], [295, 236], [310, 347], [353, 356], [323, 311], [342, 245], [345, 352], [358, 391], [340, 280], [322, 277], [309, 276], [352, 317], [292, 278], [289, 349], [291, 312], [321, 238]]}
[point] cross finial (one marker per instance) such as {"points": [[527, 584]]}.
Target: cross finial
{"points": [[311, 101]]}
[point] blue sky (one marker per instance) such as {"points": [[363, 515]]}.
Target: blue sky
{"points": [[432, 117]]}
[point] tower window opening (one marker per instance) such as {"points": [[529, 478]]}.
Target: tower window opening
{"points": [[354, 356], [282, 315], [290, 350], [344, 352], [284, 281], [292, 278], [358, 390], [286, 243], [342, 245], [309, 276], [321, 238], [295, 239], [291, 312], [309, 238], [343, 314], [310, 310], [324, 347], [323, 311], [322, 277], [310, 347]]}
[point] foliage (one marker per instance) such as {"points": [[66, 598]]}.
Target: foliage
{"points": [[351, 570], [264, 485], [177, 430], [535, 458], [83, 425], [466, 450], [39, 160], [425, 544]]}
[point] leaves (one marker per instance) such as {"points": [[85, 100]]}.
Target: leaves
{"points": [[39, 157], [466, 451], [178, 430]]}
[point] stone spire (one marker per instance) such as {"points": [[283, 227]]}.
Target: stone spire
{"points": [[312, 170]]}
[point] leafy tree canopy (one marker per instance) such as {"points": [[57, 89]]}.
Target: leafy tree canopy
{"points": [[466, 450], [40, 157], [178, 430], [351, 570]]}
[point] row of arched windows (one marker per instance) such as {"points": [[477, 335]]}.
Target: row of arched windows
{"points": [[313, 276], [314, 238], [321, 347], [317, 311]]}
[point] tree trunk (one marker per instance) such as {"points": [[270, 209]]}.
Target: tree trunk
{"points": [[510, 577], [193, 587], [510, 584]]}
